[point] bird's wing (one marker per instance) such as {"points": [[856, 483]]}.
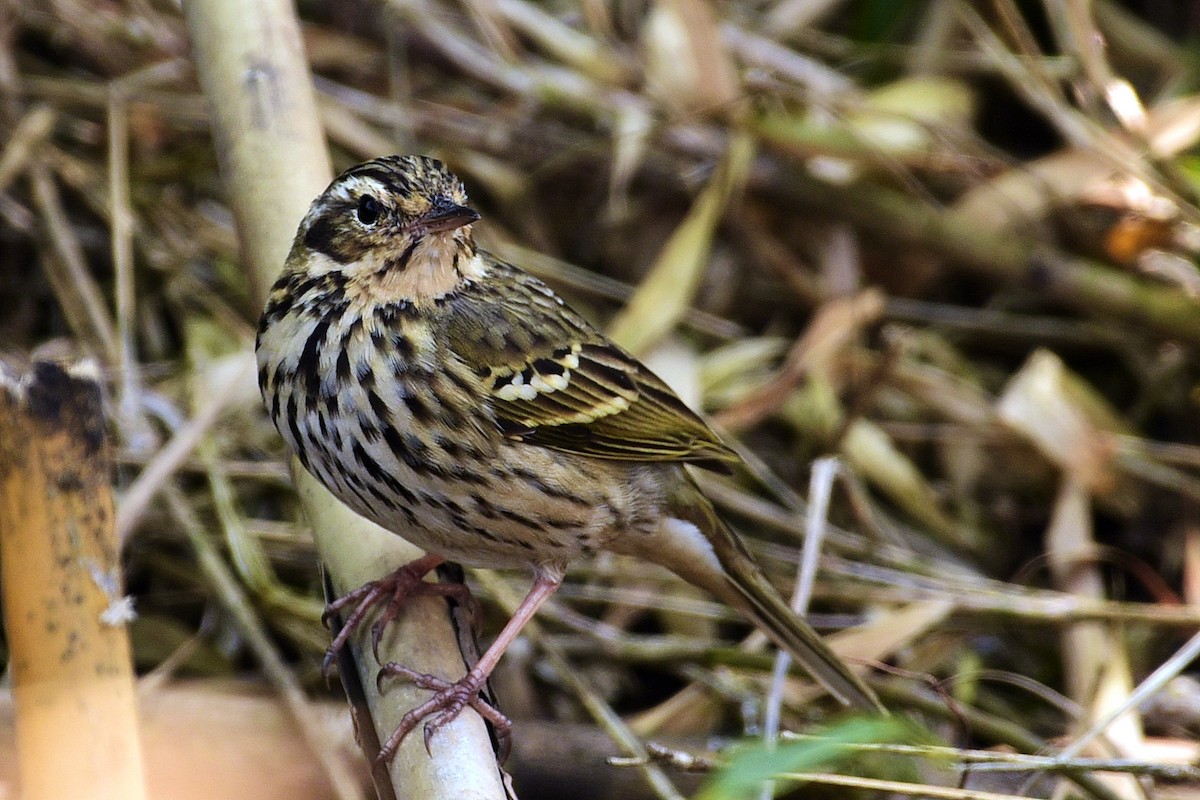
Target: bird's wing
{"points": [[555, 381]]}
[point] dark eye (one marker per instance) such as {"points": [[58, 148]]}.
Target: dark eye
{"points": [[369, 210]]}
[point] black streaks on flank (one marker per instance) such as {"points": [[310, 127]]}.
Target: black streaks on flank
{"points": [[404, 346], [380, 338], [440, 502], [403, 493], [485, 533], [344, 373], [333, 404], [452, 418], [412, 451], [357, 488], [462, 383], [400, 495], [535, 482], [364, 374], [421, 461], [369, 464], [276, 401], [368, 428], [521, 519], [467, 475], [445, 502], [378, 407], [309, 366], [420, 410], [282, 286], [293, 422], [484, 506]]}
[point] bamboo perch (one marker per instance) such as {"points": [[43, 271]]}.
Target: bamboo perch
{"points": [[71, 666], [273, 156]]}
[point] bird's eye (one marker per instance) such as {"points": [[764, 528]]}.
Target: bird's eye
{"points": [[369, 210]]}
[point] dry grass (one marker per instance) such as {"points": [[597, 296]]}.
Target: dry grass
{"points": [[955, 248]]}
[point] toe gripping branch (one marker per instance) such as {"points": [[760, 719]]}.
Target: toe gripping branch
{"points": [[391, 592], [448, 701]]}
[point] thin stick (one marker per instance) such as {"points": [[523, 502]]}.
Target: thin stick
{"points": [[76, 289], [172, 455]]}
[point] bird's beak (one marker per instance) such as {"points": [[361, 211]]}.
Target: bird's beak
{"points": [[447, 217]]}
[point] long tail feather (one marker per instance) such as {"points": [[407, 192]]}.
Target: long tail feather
{"points": [[736, 579], [771, 613]]}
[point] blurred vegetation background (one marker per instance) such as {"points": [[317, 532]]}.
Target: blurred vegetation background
{"points": [[953, 244]]}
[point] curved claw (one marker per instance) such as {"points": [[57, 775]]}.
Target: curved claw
{"points": [[450, 699], [447, 703], [392, 591]]}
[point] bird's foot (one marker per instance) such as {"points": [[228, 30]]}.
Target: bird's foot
{"points": [[391, 592], [448, 701]]}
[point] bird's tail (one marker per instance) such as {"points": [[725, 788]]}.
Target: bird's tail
{"points": [[735, 578]]}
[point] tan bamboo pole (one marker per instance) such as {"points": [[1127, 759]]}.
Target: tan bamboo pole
{"points": [[64, 611], [273, 156]]}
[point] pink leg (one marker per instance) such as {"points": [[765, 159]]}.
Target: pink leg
{"points": [[450, 699], [391, 592]]}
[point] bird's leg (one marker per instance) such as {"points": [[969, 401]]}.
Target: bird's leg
{"points": [[391, 591], [450, 699]]}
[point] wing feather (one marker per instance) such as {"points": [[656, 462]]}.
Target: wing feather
{"points": [[555, 381]]}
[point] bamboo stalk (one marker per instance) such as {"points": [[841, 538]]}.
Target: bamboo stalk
{"points": [[273, 156], [71, 666]]}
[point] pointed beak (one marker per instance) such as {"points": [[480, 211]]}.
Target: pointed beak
{"points": [[447, 217]]}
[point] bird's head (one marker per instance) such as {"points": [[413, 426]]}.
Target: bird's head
{"points": [[398, 227]]}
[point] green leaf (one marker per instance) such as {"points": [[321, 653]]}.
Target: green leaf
{"points": [[752, 765]]}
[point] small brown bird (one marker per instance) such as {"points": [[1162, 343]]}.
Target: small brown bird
{"points": [[457, 401]]}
